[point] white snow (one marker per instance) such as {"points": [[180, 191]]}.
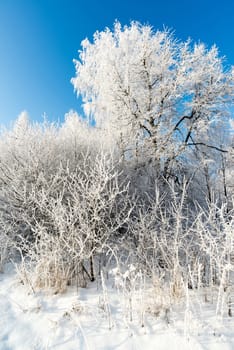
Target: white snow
{"points": [[78, 319]]}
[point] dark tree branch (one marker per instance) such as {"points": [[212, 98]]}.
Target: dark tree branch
{"points": [[209, 146], [146, 129], [183, 118]]}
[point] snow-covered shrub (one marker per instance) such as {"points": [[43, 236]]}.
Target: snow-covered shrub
{"points": [[161, 236], [78, 220], [215, 237], [61, 197]]}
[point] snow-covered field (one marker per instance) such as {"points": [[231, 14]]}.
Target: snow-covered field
{"points": [[92, 319]]}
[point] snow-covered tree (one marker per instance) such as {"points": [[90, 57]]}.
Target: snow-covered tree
{"points": [[156, 95]]}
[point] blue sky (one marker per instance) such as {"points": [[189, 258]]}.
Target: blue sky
{"points": [[40, 38]]}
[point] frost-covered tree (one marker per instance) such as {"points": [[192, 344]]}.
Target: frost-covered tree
{"points": [[156, 95], [61, 197]]}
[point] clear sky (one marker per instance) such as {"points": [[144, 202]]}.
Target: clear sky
{"points": [[40, 38]]}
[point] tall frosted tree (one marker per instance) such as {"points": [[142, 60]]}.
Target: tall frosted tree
{"points": [[156, 95]]}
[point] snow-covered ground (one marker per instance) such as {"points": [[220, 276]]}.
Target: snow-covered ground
{"points": [[91, 319]]}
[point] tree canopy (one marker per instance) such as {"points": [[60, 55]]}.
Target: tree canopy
{"points": [[159, 97]]}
